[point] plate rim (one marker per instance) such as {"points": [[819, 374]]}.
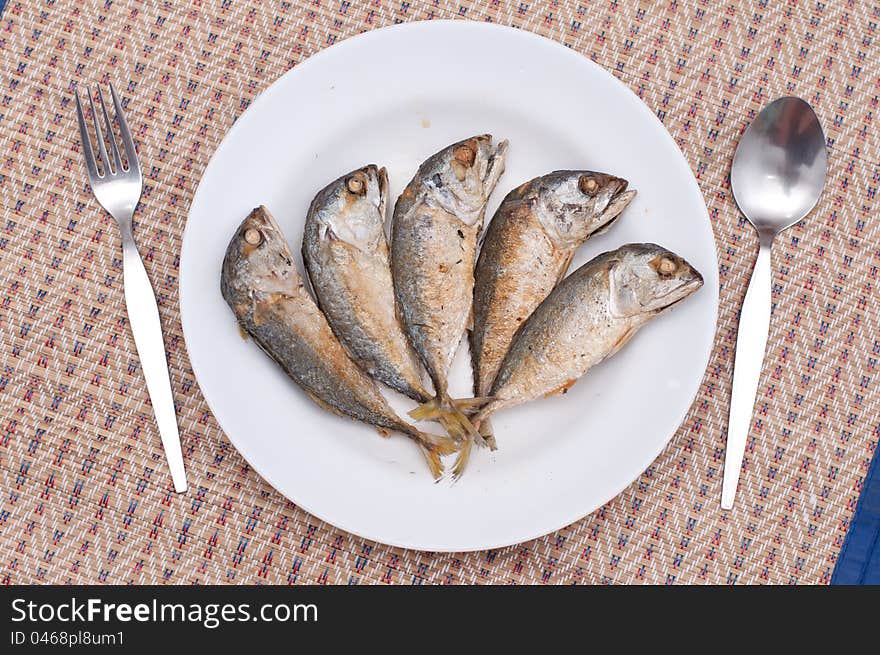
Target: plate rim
{"points": [[268, 93]]}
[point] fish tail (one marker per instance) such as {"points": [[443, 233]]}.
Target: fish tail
{"points": [[431, 409], [440, 444], [483, 414], [433, 460], [427, 411], [452, 415], [488, 433], [462, 459], [433, 446], [450, 426], [481, 420], [472, 433], [486, 438], [471, 405]]}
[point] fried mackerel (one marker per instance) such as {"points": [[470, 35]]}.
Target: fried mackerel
{"points": [[587, 318], [346, 255], [260, 283], [527, 250], [435, 227]]}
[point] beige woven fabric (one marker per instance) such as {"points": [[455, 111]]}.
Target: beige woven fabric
{"points": [[85, 492]]}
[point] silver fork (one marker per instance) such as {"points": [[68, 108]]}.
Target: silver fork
{"points": [[118, 190]]}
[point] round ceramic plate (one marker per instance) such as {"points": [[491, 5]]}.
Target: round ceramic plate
{"points": [[393, 97]]}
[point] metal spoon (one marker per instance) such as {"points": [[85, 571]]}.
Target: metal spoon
{"points": [[777, 175]]}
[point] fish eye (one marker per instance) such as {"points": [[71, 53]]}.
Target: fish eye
{"points": [[253, 236], [664, 266], [464, 155], [437, 180], [356, 184], [667, 266], [588, 185]]}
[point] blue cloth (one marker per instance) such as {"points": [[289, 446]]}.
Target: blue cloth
{"points": [[859, 560]]}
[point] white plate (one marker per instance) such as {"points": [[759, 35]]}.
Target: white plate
{"points": [[394, 96]]}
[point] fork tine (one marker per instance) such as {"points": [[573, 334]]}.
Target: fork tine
{"points": [[117, 162], [86, 142], [102, 149], [128, 144]]}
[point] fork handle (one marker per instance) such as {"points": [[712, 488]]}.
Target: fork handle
{"points": [[751, 342], [143, 314]]}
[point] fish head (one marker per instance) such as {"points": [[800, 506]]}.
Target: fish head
{"points": [[258, 259], [574, 205], [352, 209], [461, 177], [646, 279]]}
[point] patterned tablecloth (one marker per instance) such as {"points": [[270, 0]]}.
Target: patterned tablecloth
{"points": [[86, 497]]}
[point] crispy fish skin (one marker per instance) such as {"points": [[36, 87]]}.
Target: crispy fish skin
{"points": [[587, 318], [527, 250], [346, 256], [260, 283], [436, 224]]}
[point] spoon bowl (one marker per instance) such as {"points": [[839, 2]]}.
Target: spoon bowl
{"points": [[779, 167], [776, 178]]}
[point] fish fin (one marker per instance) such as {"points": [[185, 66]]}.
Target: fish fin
{"points": [[480, 438], [461, 461], [258, 313], [487, 438], [440, 444], [433, 447], [602, 230], [562, 388], [564, 268], [452, 415], [456, 415], [324, 405], [454, 427], [428, 411], [326, 232], [469, 407], [488, 433], [622, 301], [433, 460], [482, 414], [621, 341], [472, 405]]}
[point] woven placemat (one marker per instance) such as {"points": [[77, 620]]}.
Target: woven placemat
{"points": [[86, 495]]}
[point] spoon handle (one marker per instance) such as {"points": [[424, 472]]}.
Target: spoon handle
{"points": [[754, 325]]}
